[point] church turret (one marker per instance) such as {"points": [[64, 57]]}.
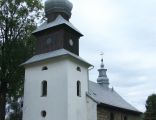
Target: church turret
{"points": [[102, 78], [57, 32]]}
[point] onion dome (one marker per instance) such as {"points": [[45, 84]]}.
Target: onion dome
{"points": [[53, 8]]}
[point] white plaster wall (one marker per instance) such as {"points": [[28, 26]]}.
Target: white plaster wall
{"points": [[56, 101], [62, 102], [91, 109], [77, 105]]}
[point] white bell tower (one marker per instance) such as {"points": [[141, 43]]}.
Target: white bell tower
{"points": [[56, 78]]}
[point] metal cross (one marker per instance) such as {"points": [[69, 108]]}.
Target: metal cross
{"points": [[102, 56]]}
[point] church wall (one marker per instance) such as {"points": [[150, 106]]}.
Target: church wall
{"points": [[55, 103], [104, 114], [77, 104], [91, 109], [134, 117]]}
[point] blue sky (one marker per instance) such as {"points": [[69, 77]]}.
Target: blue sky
{"points": [[125, 30]]}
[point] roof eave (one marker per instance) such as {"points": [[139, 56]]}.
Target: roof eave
{"points": [[72, 56], [38, 31]]}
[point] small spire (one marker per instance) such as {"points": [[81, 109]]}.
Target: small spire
{"points": [[102, 78]]}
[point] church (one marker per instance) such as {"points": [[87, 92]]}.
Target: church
{"points": [[57, 85]]}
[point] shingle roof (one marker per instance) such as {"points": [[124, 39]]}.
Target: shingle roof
{"points": [[53, 54], [58, 21], [108, 97]]}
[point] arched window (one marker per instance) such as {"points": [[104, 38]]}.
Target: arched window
{"points": [[111, 116], [43, 113], [79, 88], [44, 88], [78, 69]]}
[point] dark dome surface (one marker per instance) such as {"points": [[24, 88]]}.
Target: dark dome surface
{"points": [[58, 7]]}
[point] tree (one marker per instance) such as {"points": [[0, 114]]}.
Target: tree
{"points": [[17, 21], [14, 110], [150, 113]]}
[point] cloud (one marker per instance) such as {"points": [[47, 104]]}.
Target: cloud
{"points": [[126, 32]]}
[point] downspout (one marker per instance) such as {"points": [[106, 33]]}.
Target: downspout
{"points": [[89, 69]]}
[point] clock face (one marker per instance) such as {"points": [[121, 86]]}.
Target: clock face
{"points": [[49, 41], [71, 43]]}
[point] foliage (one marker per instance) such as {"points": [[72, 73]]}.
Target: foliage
{"points": [[17, 21], [14, 110], [150, 113]]}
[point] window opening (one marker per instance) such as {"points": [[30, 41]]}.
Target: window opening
{"points": [[44, 88], [45, 68], [125, 117], [111, 116], [43, 113], [78, 69], [79, 88]]}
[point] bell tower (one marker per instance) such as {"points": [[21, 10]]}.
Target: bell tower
{"points": [[56, 77], [57, 32]]}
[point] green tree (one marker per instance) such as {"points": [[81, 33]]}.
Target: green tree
{"points": [[17, 21], [14, 110], [150, 113]]}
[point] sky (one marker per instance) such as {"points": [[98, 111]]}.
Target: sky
{"points": [[125, 31]]}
